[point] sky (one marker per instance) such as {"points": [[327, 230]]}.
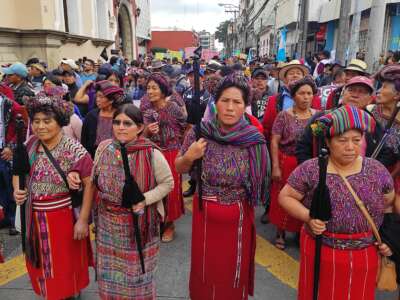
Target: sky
{"points": [[189, 14]]}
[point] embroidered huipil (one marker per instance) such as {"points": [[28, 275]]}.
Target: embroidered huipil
{"points": [[290, 129], [225, 170], [370, 184]]}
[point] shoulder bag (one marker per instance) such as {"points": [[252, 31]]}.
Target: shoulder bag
{"points": [[386, 278], [76, 195]]}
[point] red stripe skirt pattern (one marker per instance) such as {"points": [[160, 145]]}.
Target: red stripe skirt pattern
{"points": [[344, 274], [277, 215], [64, 262], [223, 251], [174, 206]]}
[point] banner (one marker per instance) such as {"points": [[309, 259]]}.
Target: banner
{"points": [[170, 54], [206, 54], [282, 45], [160, 55], [177, 54]]}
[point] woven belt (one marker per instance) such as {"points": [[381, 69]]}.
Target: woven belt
{"points": [[352, 242], [48, 205]]}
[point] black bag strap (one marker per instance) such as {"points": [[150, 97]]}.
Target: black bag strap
{"points": [[56, 165], [128, 175]]}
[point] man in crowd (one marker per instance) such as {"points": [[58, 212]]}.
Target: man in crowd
{"points": [[17, 79], [259, 79], [36, 75], [9, 109], [88, 71], [188, 97], [355, 68], [69, 65], [357, 92]]}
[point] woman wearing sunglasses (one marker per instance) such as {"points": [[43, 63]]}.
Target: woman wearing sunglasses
{"points": [[119, 271]]}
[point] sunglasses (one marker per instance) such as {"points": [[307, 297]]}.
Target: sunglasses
{"points": [[125, 124]]}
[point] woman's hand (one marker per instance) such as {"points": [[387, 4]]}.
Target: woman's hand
{"points": [[384, 249], [7, 154], [138, 207], [317, 226], [74, 180], [20, 196], [276, 174], [196, 150], [81, 229], [153, 128]]}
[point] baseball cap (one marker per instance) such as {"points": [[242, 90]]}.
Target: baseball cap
{"points": [[17, 69], [363, 80], [259, 71], [69, 62]]}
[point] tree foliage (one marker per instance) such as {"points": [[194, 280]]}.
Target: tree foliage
{"points": [[221, 32]]}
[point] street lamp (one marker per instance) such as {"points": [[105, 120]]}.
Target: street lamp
{"points": [[231, 8]]}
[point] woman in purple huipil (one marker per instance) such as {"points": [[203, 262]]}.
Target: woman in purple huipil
{"points": [[349, 254], [165, 126], [234, 177], [286, 130]]}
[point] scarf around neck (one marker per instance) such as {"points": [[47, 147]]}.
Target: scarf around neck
{"points": [[245, 136]]}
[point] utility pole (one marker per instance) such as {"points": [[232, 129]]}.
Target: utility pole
{"points": [[304, 28], [342, 43], [299, 27], [376, 29], [355, 32], [275, 50]]}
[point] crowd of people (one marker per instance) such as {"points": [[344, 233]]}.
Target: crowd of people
{"points": [[106, 145]]}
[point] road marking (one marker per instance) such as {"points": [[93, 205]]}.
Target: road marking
{"points": [[12, 269], [277, 262], [15, 267]]}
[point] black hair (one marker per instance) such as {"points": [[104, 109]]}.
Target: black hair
{"points": [[116, 74], [31, 61], [61, 119], [52, 78], [57, 72], [91, 61], [234, 80], [339, 72], [113, 60], [308, 80], [226, 70], [131, 111]]}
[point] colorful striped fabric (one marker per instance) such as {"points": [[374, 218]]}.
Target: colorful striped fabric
{"points": [[346, 118], [246, 136]]}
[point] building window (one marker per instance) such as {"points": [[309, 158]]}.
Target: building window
{"points": [[363, 39]]}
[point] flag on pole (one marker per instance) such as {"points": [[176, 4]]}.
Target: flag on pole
{"points": [[282, 45]]}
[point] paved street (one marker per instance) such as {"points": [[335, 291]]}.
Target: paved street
{"points": [[276, 271]]}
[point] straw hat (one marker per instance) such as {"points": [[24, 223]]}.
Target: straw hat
{"points": [[291, 65], [358, 66]]}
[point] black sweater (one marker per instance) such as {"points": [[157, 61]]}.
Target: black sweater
{"points": [[89, 131]]}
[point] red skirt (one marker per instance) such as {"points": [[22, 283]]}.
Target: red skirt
{"points": [[344, 274], [223, 251], [64, 262], [173, 204], [277, 215]]}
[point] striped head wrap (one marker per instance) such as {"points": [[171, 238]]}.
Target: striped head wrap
{"points": [[346, 118], [112, 92]]}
